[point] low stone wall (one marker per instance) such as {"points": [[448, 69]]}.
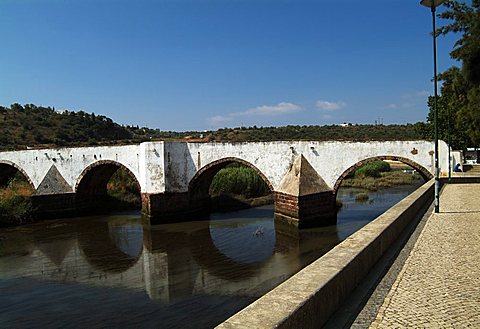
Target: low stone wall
{"points": [[311, 296]]}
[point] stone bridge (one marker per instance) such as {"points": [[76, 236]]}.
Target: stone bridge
{"points": [[174, 177]]}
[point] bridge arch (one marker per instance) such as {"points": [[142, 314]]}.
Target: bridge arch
{"points": [[426, 175], [101, 171], [91, 185], [8, 169], [199, 185]]}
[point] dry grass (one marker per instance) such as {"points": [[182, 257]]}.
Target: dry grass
{"points": [[16, 188], [387, 179], [15, 203]]}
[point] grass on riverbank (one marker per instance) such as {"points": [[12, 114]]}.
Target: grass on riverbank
{"points": [[378, 174], [386, 179], [237, 187], [123, 191], [225, 202], [239, 180], [15, 202]]}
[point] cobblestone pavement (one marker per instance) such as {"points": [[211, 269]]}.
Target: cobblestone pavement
{"points": [[439, 285]]}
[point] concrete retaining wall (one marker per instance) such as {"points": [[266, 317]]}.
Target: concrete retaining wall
{"points": [[310, 297]]}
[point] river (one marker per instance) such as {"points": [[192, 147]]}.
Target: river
{"points": [[118, 271]]}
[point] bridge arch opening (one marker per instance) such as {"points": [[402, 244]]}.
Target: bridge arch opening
{"points": [[229, 183], [12, 173], [107, 186], [422, 171], [235, 261]]}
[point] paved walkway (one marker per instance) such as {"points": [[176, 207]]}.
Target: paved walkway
{"points": [[439, 285]]}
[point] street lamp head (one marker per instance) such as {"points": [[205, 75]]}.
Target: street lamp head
{"points": [[431, 3]]}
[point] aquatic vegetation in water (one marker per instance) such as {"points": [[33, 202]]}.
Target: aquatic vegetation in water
{"points": [[361, 197]]}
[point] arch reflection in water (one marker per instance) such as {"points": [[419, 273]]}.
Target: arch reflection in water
{"points": [[173, 275], [184, 259], [241, 253], [127, 237], [236, 254], [248, 239], [113, 246]]}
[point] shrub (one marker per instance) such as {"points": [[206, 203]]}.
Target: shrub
{"points": [[240, 180], [123, 188], [372, 169], [15, 202]]}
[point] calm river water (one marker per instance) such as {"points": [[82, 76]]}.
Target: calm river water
{"points": [[117, 271]]}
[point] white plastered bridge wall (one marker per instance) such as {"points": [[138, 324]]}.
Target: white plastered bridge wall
{"points": [[170, 166], [71, 162], [273, 159]]}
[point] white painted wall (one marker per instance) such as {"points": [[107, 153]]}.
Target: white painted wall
{"points": [[330, 159], [71, 162], [457, 157], [169, 166]]}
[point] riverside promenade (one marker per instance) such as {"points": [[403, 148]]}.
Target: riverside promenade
{"points": [[439, 284]]}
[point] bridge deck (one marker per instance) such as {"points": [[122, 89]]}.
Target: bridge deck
{"points": [[439, 284]]}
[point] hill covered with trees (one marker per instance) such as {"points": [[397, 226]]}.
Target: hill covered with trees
{"points": [[323, 133], [37, 126], [31, 126]]}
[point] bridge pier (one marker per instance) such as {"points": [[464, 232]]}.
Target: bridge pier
{"points": [[303, 198], [304, 211], [167, 207]]}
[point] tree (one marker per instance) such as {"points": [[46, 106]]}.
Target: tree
{"points": [[460, 92], [466, 20]]}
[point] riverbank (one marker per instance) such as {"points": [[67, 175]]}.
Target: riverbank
{"points": [[225, 203], [395, 174], [386, 180]]}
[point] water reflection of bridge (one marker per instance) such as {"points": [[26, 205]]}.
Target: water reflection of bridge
{"points": [[170, 262]]}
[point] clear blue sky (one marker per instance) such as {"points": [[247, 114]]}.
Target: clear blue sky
{"points": [[204, 64]]}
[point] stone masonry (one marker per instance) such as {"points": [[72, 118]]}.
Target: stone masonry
{"points": [[303, 198]]}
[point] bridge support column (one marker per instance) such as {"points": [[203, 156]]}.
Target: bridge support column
{"points": [[303, 198], [166, 207], [306, 210]]}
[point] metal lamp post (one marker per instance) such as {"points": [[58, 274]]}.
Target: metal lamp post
{"points": [[433, 4], [449, 143]]}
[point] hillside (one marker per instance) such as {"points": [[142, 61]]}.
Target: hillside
{"points": [[29, 125], [36, 126]]}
